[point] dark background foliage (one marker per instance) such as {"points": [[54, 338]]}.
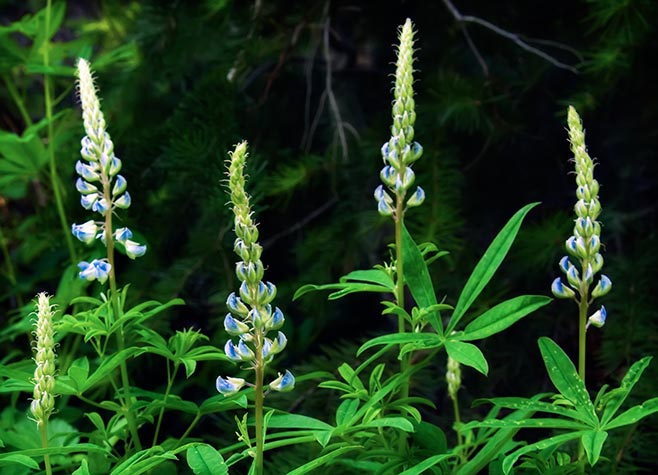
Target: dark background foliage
{"points": [[308, 84]]}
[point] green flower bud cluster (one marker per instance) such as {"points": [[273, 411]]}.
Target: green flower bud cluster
{"points": [[43, 401], [453, 377], [251, 314], [400, 152], [584, 245]]}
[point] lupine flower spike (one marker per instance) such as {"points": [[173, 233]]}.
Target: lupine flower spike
{"points": [[43, 401], [102, 189], [584, 260], [401, 151], [251, 315]]}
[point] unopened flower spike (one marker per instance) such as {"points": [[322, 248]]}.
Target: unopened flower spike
{"points": [[583, 247], [251, 315], [401, 151], [43, 401], [102, 190]]}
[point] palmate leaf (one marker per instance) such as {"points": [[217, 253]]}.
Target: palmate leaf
{"points": [[489, 263]]}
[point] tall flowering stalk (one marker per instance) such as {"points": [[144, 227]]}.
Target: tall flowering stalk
{"points": [[399, 153], [584, 245], [102, 188], [104, 191], [43, 401], [251, 315]]}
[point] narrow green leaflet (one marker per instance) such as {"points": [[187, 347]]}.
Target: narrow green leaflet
{"points": [[534, 423], [468, 355], [416, 273], [108, 365], [502, 316], [395, 422], [324, 459], [556, 441], [617, 396], [83, 469], [18, 459], [341, 289], [205, 460], [425, 464], [373, 276], [532, 405], [485, 269], [593, 441], [564, 376], [634, 414], [431, 340], [346, 411], [492, 449], [297, 421]]}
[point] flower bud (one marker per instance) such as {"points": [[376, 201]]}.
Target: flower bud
{"points": [[284, 383], [229, 386], [561, 291], [602, 287], [417, 198], [598, 318], [85, 232], [234, 327]]}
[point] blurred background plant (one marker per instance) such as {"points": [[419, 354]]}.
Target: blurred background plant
{"points": [[308, 86]]}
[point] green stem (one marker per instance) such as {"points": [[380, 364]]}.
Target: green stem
{"points": [[54, 178], [259, 403], [194, 422], [170, 382], [117, 311], [11, 275], [583, 305], [18, 100], [405, 361], [44, 443], [458, 423], [582, 334]]}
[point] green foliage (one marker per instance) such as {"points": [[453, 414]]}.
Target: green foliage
{"points": [[308, 86]]}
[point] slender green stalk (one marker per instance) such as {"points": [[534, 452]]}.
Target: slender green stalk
{"points": [[258, 407], [458, 423], [582, 334], [11, 274], [44, 443], [399, 285], [54, 177], [171, 375], [18, 100]]}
